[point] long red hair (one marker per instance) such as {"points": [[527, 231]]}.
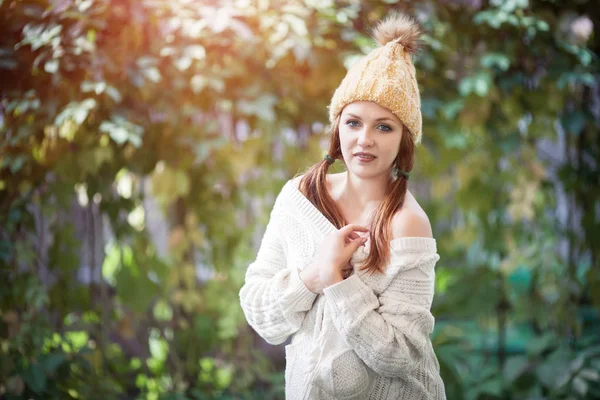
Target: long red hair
{"points": [[314, 186]]}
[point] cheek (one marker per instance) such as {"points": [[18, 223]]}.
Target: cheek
{"points": [[345, 137], [343, 132], [395, 142], [393, 148]]}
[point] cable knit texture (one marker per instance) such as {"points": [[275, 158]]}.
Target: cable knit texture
{"points": [[366, 337]]}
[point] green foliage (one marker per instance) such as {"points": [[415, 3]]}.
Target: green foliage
{"points": [[130, 117]]}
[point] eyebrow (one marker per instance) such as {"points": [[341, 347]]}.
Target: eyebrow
{"points": [[378, 119]]}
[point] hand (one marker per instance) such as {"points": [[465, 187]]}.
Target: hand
{"points": [[332, 258]]}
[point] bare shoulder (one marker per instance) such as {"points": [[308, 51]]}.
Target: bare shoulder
{"points": [[411, 221]]}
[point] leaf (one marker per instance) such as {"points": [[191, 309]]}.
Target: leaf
{"points": [[465, 86], [574, 122], [296, 23], [204, 329], [113, 93], [455, 140], [16, 163], [580, 386], [262, 107], [35, 378], [78, 339], [168, 51], [159, 347], [514, 368], [169, 183], [76, 111], [111, 264], [451, 109], [163, 311], [146, 62], [493, 18], [577, 363], [221, 20], [280, 32], [96, 87], [121, 131], [552, 372], [589, 374], [52, 361], [152, 74], [482, 84], [198, 83], [51, 66], [495, 60], [223, 377], [91, 35], [540, 344], [195, 51], [520, 279], [134, 288], [542, 25], [183, 63]]}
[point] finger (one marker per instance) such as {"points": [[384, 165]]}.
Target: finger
{"points": [[356, 243], [363, 237], [353, 235]]}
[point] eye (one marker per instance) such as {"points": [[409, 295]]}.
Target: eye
{"points": [[386, 128], [351, 122]]}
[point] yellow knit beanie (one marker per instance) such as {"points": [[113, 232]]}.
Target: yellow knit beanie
{"points": [[386, 76]]}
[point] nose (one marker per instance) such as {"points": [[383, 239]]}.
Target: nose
{"points": [[365, 138]]}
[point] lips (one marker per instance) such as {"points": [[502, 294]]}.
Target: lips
{"points": [[364, 155]]}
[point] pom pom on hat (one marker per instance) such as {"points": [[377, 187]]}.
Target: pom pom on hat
{"points": [[399, 28]]}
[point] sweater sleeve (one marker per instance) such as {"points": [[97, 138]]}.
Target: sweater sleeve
{"points": [[389, 332], [274, 298]]}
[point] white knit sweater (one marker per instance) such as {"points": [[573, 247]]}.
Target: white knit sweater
{"points": [[366, 337]]}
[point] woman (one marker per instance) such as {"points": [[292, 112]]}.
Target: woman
{"points": [[346, 264]]}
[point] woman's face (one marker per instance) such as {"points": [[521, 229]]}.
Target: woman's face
{"points": [[369, 128]]}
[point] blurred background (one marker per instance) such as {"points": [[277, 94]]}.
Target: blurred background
{"points": [[142, 144]]}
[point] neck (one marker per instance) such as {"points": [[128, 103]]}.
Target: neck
{"points": [[364, 193]]}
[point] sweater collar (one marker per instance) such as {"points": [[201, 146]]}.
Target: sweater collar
{"points": [[406, 252], [314, 215]]}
